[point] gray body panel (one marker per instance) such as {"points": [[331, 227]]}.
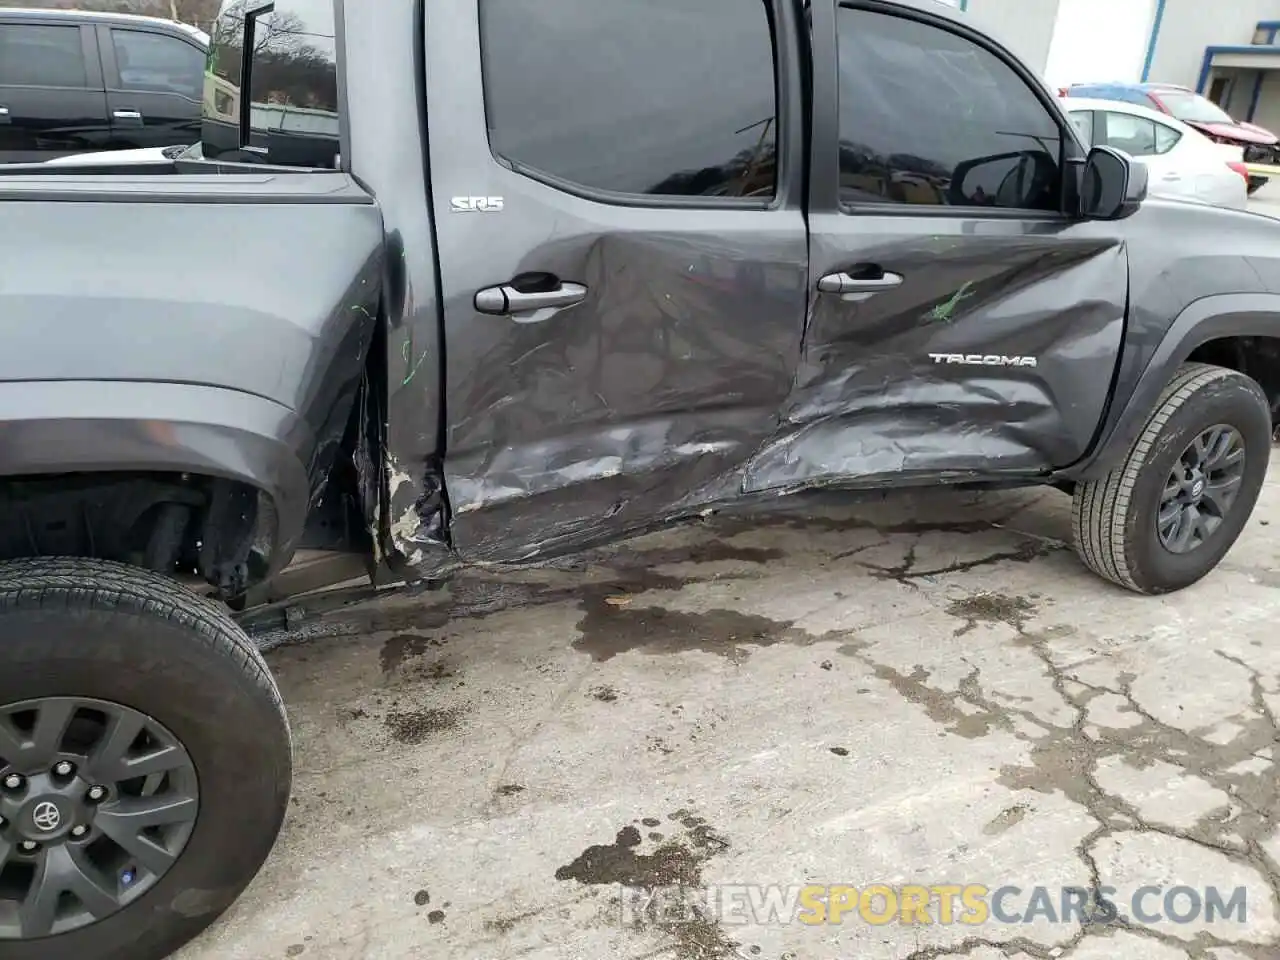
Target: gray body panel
{"points": [[263, 287], [703, 367]]}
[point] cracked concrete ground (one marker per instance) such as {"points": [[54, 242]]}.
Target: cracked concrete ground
{"points": [[925, 690]]}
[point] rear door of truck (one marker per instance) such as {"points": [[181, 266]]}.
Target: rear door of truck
{"points": [[618, 198], [51, 98]]}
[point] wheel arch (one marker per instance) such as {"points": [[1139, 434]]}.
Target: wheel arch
{"points": [[56, 429], [1225, 330]]}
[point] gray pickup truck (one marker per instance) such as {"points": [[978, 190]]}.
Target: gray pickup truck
{"points": [[495, 280]]}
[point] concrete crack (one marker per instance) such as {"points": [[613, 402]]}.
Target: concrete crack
{"points": [[1065, 758]]}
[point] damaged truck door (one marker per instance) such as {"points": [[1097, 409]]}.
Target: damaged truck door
{"points": [[624, 308], [961, 323]]}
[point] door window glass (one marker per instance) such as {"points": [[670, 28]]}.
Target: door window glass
{"points": [[660, 97], [1136, 136], [1082, 120], [155, 63], [41, 56], [929, 117], [1166, 138]]}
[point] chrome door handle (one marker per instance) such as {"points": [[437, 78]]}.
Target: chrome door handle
{"points": [[4, 115], [529, 306], [130, 118], [844, 283]]}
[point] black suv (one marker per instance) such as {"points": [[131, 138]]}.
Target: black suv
{"points": [[72, 81]]}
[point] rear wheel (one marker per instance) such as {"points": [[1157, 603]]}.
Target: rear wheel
{"points": [[145, 762], [1170, 512]]}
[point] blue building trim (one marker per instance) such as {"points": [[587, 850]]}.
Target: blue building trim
{"points": [[1151, 41], [1269, 27], [1257, 95], [1206, 65]]}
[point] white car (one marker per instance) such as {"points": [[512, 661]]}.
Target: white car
{"points": [[1182, 162], [117, 157]]}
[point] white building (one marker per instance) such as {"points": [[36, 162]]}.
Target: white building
{"points": [[1229, 50]]}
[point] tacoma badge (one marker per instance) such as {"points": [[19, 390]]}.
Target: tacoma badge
{"points": [[983, 359]]}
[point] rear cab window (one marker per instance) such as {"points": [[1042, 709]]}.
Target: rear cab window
{"points": [[156, 63], [663, 98], [42, 55], [287, 114]]}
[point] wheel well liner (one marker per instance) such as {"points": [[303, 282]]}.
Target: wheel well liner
{"points": [[1213, 329], [161, 428]]}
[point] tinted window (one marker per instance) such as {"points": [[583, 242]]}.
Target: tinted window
{"points": [[293, 84], [928, 117], [154, 62], [1134, 135], [666, 97], [41, 56]]}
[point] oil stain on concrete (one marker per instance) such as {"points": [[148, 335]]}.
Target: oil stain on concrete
{"points": [[693, 936], [412, 727]]}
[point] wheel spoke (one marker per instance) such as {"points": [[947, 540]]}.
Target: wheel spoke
{"points": [[1205, 523], [110, 760], [1167, 517], [52, 719], [5, 850], [1217, 442], [145, 851], [1219, 496], [1171, 488], [40, 906], [1198, 447], [81, 877], [1231, 458], [154, 763], [1186, 528], [11, 742], [138, 814]]}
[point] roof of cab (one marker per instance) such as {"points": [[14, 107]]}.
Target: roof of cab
{"points": [[93, 16]]}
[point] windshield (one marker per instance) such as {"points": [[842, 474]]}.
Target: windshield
{"points": [[1192, 108]]}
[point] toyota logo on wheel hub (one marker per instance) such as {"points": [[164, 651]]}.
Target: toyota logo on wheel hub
{"points": [[46, 817]]}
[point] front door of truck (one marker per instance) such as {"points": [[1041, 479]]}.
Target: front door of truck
{"points": [[623, 257], [960, 326]]}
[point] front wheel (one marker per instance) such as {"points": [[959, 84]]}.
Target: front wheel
{"points": [[1168, 514], [145, 762]]}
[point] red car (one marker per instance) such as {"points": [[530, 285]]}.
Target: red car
{"points": [[1260, 145]]}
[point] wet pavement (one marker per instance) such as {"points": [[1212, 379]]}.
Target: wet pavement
{"points": [[919, 691]]}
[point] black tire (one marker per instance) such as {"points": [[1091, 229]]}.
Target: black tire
{"points": [[1114, 518], [94, 629]]}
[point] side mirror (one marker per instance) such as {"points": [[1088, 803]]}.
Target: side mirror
{"points": [[1111, 185], [1024, 178]]}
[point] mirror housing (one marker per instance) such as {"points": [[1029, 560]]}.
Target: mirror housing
{"points": [[1112, 186]]}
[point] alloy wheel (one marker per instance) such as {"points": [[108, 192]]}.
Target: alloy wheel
{"points": [[97, 803], [1201, 488]]}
